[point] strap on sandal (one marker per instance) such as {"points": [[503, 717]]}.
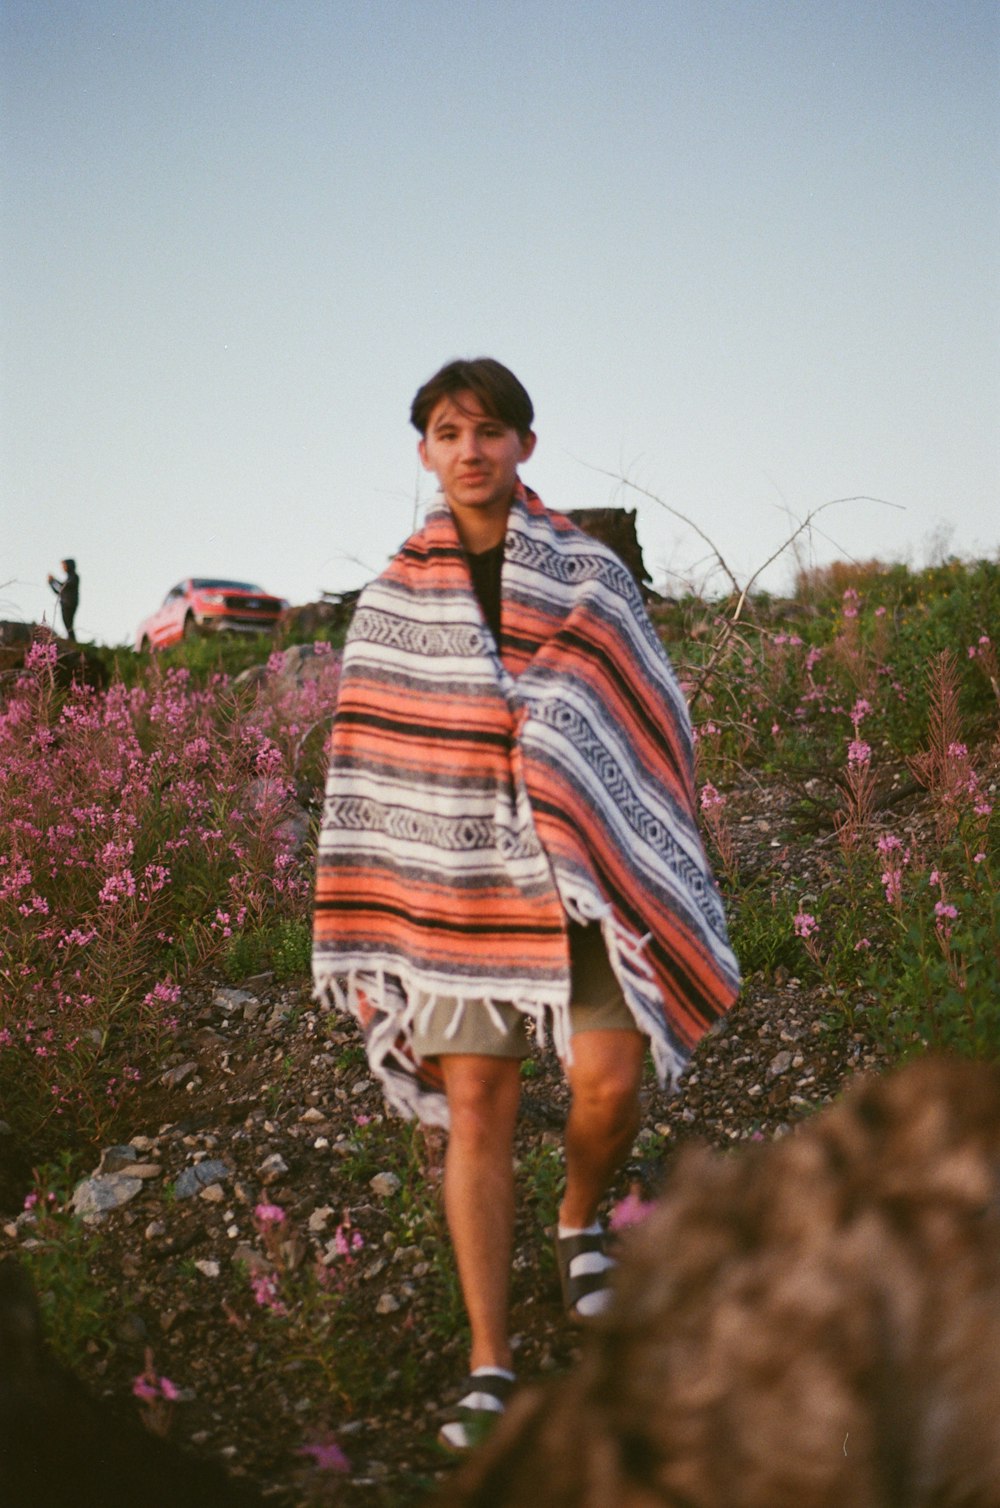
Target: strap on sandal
{"points": [[584, 1269], [484, 1398]]}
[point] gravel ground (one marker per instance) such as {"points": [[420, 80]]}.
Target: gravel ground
{"points": [[278, 1093]]}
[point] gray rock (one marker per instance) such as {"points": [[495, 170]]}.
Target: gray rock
{"points": [[779, 1064], [198, 1176], [384, 1184], [117, 1159], [94, 1197], [273, 1167], [174, 1077], [230, 1001]]}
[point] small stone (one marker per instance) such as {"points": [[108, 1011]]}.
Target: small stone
{"points": [[312, 1115], [213, 1193], [117, 1159], [146, 1170], [229, 1001], [319, 1218], [93, 1198], [198, 1176], [384, 1184], [387, 1304], [155, 1229], [273, 1168], [321, 1143], [175, 1077], [208, 1266], [754, 1091], [779, 1064]]}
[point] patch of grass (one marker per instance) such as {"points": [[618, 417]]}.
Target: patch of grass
{"points": [[76, 1312], [282, 946], [762, 933]]}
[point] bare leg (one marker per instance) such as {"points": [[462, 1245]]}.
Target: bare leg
{"points": [[604, 1077], [483, 1096]]}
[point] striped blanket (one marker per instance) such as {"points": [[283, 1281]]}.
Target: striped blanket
{"points": [[480, 794]]}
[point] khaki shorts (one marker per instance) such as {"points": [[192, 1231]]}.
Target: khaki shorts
{"points": [[596, 1004]]}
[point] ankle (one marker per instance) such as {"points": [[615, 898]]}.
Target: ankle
{"points": [[491, 1358], [576, 1217]]}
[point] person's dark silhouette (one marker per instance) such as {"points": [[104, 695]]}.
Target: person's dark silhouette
{"points": [[68, 592]]}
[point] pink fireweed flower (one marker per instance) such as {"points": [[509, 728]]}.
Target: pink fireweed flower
{"points": [[41, 655], [711, 798], [862, 945], [264, 1286], [631, 1210], [858, 752], [344, 1245], [163, 993], [150, 1388], [326, 1456], [805, 924], [944, 909], [269, 1214], [860, 709]]}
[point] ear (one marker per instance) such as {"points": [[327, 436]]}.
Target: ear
{"points": [[422, 453], [528, 443]]}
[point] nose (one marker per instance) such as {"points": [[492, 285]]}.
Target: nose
{"points": [[471, 448]]}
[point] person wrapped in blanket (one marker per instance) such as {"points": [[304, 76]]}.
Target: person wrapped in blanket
{"points": [[509, 835]]}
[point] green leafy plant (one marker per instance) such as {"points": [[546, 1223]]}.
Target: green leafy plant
{"points": [[59, 1253]]}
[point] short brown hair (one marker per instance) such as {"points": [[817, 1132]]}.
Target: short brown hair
{"points": [[498, 391]]}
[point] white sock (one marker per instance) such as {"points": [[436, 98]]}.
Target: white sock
{"points": [[492, 1372], [580, 1230]]}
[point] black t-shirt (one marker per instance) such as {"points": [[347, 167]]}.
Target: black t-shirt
{"points": [[486, 568]]}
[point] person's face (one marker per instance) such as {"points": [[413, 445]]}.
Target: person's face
{"points": [[474, 456]]}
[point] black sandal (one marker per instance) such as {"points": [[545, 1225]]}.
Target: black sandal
{"points": [[585, 1268], [484, 1398]]}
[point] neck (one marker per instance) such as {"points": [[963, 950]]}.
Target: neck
{"points": [[481, 530]]}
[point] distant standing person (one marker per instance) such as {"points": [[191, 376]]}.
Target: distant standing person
{"points": [[68, 592]]}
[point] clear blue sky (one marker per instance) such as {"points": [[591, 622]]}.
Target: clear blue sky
{"points": [[744, 252]]}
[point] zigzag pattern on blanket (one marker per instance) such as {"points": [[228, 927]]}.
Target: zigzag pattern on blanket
{"points": [[479, 793]]}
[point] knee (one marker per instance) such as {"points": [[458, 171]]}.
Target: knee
{"points": [[612, 1099], [481, 1109]]}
